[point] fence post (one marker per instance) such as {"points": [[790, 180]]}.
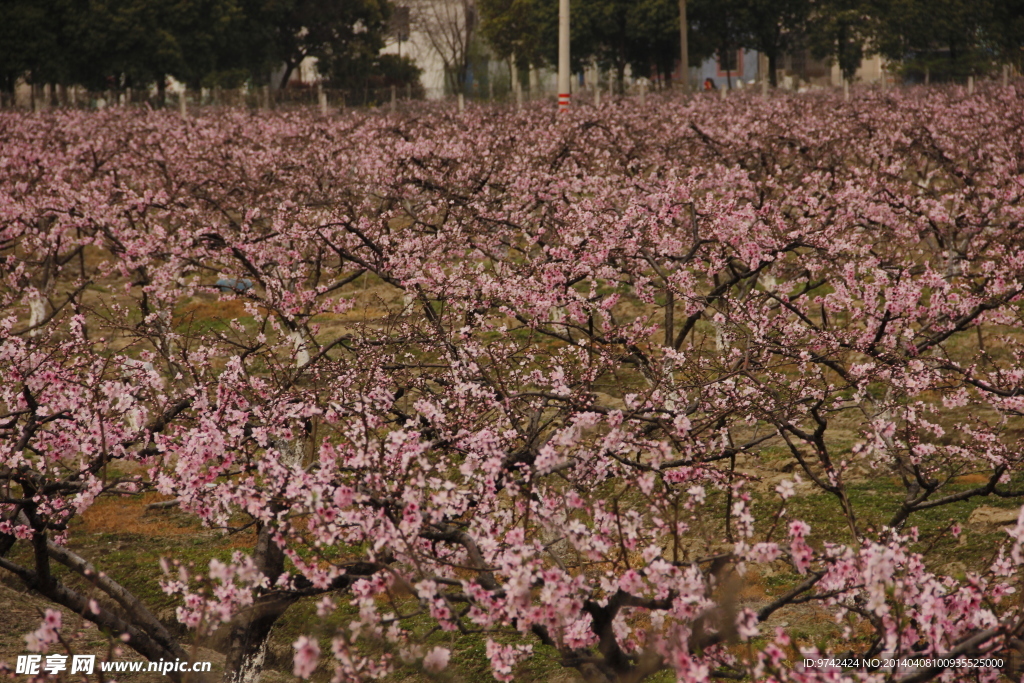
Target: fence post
{"points": [[927, 75], [597, 93], [321, 97], [462, 103], [725, 90], [394, 98], [846, 89], [970, 85], [519, 95], [182, 103], [1006, 75], [643, 94]]}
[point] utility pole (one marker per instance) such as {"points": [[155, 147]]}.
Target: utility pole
{"points": [[684, 57], [563, 55]]}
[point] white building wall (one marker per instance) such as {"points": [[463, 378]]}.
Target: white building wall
{"points": [[871, 70]]}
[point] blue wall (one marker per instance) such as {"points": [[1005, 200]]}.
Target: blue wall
{"points": [[709, 69]]}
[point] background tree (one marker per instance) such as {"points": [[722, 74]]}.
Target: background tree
{"points": [[838, 32], [944, 37], [1005, 32], [30, 34], [220, 44], [516, 30], [616, 34], [342, 34], [642, 35], [717, 26], [121, 44], [450, 27], [203, 43], [652, 33], [773, 27]]}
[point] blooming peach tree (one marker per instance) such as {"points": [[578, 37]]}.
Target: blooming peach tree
{"points": [[568, 387]]}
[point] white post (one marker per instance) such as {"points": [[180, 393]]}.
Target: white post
{"points": [[321, 97], [643, 94], [762, 67], [519, 95], [182, 104], [846, 90], [563, 55], [462, 103], [970, 85], [597, 93], [299, 346], [37, 312], [725, 90]]}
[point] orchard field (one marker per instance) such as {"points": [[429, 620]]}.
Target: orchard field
{"points": [[699, 390]]}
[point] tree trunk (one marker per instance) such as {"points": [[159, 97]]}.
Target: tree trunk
{"points": [[289, 67], [250, 629], [684, 49]]}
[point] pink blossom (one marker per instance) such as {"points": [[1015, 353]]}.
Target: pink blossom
{"points": [[436, 660], [307, 656]]}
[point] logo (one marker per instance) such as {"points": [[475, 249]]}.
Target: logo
{"points": [[54, 664]]}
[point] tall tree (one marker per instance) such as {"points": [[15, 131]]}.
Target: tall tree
{"points": [[773, 27], [1005, 32], [450, 27], [838, 32], [652, 34], [122, 43], [718, 26], [29, 42], [219, 44], [684, 46], [514, 29], [947, 37], [330, 30]]}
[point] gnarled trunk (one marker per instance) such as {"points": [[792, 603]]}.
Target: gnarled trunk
{"points": [[250, 630]]}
